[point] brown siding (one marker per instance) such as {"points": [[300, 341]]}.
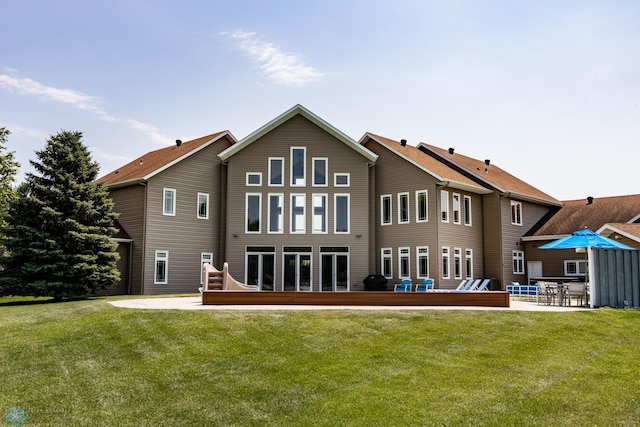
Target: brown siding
{"points": [[492, 216], [129, 203], [184, 236], [298, 132]]}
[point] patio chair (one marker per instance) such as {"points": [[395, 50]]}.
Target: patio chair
{"points": [[403, 286], [426, 285], [483, 286], [471, 285], [463, 284], [547, 293], [578, 290]]}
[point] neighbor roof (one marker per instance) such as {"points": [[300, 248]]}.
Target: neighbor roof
{"points": [[287, 115], [433, 167], [154, 162], [491, 175], [632, 231], [578, 214]]}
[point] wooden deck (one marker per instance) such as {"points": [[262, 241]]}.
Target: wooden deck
{"points": [[371, 298]]}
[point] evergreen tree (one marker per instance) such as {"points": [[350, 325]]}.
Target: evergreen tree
{"points": [[58, 230], [8, 169]]}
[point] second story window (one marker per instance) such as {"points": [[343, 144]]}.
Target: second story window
{"points": [[203, 206], [456, 208], [341, 214], [516, 213], [444, 206], [385, 209], [254, 178], [253, 213], [169, 202], [422, 213], [276, 170], [298, 221], [403, 208], [298, 159], [466, 211], [341, 180], [319, 171]]}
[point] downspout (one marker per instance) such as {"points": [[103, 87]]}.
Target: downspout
{"points": [[130, 269]]}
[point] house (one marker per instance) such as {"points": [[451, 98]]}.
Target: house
{"points": [[615, 217], [297, 205], [169, 201]]}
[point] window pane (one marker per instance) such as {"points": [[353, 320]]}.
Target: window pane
{"points": [[275, 213], [203, 206], [319, 172], [403, 208], [297, 166], [342, 214], [386, 209], [253, 213], [275, 171], [169, 201], [421, 206], [297, 213], [319, 213]]}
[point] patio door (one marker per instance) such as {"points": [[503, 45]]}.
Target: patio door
{"points": [[260, 267], [534, 269], [334, 269], [297, 269]]}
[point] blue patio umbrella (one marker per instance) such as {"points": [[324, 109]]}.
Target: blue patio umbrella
{"points": [[585, 239]]}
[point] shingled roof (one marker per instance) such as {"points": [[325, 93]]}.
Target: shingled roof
{"points": [[490, 174], [578, 214], [154, 162], [430, 165]]}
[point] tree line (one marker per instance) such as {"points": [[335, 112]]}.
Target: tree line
{"points": [[55, 227]]}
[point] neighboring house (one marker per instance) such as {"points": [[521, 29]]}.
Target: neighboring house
{"points": [[298, 205], [615, 217], [171, 204]]}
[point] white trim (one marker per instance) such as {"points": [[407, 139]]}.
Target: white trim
{"points": [[345, 174], [282, 175], [166, 267], [326, 171], [250, 174], [407, 206], [246, 213], [382, 197], [303, 197], [206, 216], [166, 190], [301, 182], [426, 193], [325, 224], [280, 217], [335, 213]]}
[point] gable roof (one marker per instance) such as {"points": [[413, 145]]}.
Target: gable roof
{"points": [[630, 231], [491, 175], [287, 115], [578, 214], [428, 164], [154, 162]]}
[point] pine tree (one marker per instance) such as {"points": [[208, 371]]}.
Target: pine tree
{"points": [[57, 236], [8, 170]]}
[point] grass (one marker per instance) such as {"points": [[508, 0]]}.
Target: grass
{"points": [[88, 363]]}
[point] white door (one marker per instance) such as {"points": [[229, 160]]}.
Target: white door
{"points": [[534, 268]]}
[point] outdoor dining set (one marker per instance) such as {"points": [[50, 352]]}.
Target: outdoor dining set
{"points": [[551, 293]]}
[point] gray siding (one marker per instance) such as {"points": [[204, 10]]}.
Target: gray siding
{"points": [[130, 204], [184, 235], [298, 132]]}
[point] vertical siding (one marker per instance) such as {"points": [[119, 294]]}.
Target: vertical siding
{"points": [[184, 235], [129, 203], [298, 132]]}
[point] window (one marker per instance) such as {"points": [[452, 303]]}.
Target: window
{"points": [[341, 214], [387, 265], [319, 213], [457, 263], [422, 255], [518, 262], [169, 202], [276, 168], [297, 213], [253, 213], [468, 259], [205, 258], [445, 263], [575, 267], [403, 208], [444, 206], [516, 213], [385, 209], [276, 202], [456, 208], [319, 171], [341, 180], [203, 206], [298, 159], [254, 178], [422, 213], [162, 268], [466, 212], [403, 263]]}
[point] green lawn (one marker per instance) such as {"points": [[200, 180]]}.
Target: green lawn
{"points": [[89, 363]]}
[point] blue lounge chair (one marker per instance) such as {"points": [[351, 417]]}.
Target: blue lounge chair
{"points": [[483, 286], [464, 283], [471, 285], [403, 286], [426, 285]]}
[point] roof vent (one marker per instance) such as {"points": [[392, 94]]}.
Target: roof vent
{"points": [[451, 150], [589, 200], [403, 142], [140, 161], [178, 142], [487, 162]]}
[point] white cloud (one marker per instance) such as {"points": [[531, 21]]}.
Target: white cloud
{"points": [[278, 66], [79, 100]]}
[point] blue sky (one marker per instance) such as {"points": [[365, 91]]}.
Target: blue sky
{"points": [[548, 90]]}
